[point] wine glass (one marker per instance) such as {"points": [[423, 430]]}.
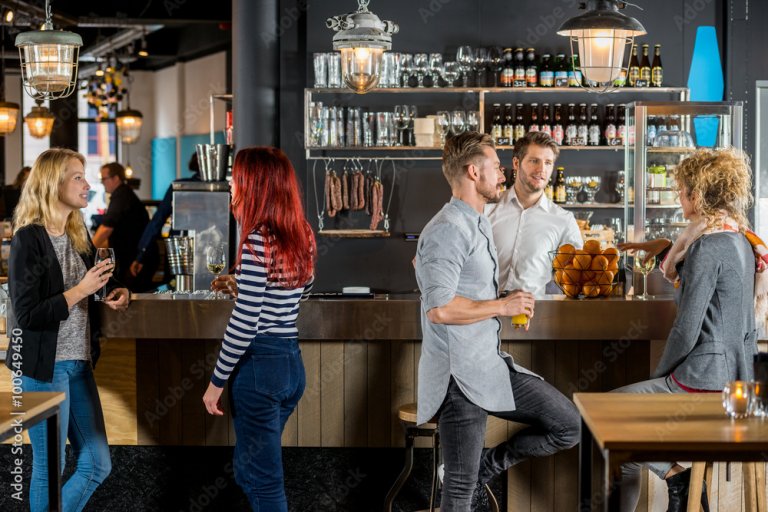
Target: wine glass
{"points": [[644, 269], [412, 114], [593, 185], [401, 122], [465, 59], [104, 253], [435, 67], [421, 64], [481, 65], [450, 72], [406, 65], [496, 58], [473, 121], [458, 122], [215, 261], [444, 122]]}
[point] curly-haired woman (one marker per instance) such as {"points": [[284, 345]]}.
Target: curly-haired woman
{"points": [[713, 266]]}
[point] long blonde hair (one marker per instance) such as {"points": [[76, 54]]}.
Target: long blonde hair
{"points": [[40, 195]]}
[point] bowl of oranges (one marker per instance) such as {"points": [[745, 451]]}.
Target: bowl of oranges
{"points": [[589, 272]]}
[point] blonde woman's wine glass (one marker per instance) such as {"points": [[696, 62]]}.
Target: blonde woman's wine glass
{"points": [[104, 253]]}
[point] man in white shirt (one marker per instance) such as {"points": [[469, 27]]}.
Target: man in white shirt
{"points": [[526, 224]]}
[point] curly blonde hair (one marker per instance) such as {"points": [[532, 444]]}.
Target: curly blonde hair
{"points": [[717, 181]]}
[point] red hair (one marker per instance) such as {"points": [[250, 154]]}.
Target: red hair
{"points": [[267, 199]]}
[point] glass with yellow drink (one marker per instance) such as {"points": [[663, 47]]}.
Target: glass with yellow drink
{"points": [[519, 321]]}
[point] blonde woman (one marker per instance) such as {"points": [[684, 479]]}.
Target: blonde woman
{"points": [[712, 265], [52, 279]]}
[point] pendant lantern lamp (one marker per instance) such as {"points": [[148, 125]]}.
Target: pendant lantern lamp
{"points": [[129, 123], [39, 121]]}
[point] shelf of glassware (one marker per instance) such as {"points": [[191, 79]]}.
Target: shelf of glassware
{"points": [[682, 91], [726, 126], [615, 206]]}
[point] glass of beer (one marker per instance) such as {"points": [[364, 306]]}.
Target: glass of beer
{"points": [[519, 321]]}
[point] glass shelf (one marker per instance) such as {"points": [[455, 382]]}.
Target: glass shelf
{"points": [[497, 90]]}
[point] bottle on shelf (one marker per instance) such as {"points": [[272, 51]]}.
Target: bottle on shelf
{"points": [[575, 78], [519, 122], [534, 126], [531, 68], [508, 71], [546, 125], [621, 80], [561, 71], [621, 127], [560, 191], [496, 124], [519, 68], [550, 190], [651, 130], [571, 128], [657, 70], [594, 126], [645, 69], [610, 125], [546, 72], [634, 68], [582, 129], [509, 123], [558, 133]]}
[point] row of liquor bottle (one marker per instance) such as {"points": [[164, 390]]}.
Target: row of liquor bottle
{"points": [[523, 68], [568, 125]]}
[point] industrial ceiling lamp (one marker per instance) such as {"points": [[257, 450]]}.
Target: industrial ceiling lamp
{"points": [[9, 112], [362, 38], [49, 60], [602, 35], [39, 121]]}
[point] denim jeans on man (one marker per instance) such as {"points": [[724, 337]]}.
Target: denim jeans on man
{"points": [[553, 425], [265, 388], [81, 420]]}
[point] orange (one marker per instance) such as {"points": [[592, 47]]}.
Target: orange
{"points": [[591, 289], [562, 259], [612, 254], [571, 290], [587, 275], [613, 266], [592, 246], [571, 275], [605, 289], [559, 277], [582, 259], [567, 249], [599, 262], [605, 277]]}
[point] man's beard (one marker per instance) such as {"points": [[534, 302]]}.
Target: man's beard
{"points": [[491, 195]]}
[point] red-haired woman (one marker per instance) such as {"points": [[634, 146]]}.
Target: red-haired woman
{"points": [[260, 353]]}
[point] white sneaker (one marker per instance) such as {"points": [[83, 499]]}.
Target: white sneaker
{"points": [[441, 472]]}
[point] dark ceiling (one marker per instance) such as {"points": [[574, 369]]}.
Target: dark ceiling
{"points": [[190, 28]]}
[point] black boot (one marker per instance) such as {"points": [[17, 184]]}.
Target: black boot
{"points": [[678, 487]]}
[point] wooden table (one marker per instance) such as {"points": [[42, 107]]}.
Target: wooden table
{"points": [[658, 427], [32, 408]]}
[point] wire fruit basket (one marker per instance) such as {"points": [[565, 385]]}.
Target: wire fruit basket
{"points": [[585, 273]]}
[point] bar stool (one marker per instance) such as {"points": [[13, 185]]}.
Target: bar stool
{"points": [[407, 416], [754, 485]]}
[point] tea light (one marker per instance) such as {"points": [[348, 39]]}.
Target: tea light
{"points": [[738, 399]]}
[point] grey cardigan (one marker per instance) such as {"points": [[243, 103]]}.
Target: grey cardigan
{"points": [[713, 338]]}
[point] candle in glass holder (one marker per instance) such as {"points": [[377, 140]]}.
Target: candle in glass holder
{"points": [[738, 398]]}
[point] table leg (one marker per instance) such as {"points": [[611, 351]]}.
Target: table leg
{"points": [[585, 469], [54, 469], [611, 483]]}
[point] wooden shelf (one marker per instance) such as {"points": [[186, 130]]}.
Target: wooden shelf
{"points": [[615, 206], [497, 90], [354, 233]]}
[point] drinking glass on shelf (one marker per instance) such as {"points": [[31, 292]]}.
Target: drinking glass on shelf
{"points": [[420, 63], [444, 122], [496, 58], [593, 185], [334, 69], [458, 122], [481, 66], [435, 67], [465, 59], [411, 133], [103, 253], [215, 261], [644, 269], [451, 73], [401, 122], [473, 120], [321, 69], [406, 68]]}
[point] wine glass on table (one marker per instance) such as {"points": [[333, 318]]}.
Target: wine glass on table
{"points": [[644, 269], [216, 260], [104, 253]]}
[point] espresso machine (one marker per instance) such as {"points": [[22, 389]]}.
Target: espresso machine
{"points": [[201, 212]]}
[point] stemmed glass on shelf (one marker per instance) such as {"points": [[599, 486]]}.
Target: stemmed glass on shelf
{"points": [[482, 60], [444, 122], [420, 63], [465, 59], [473, 120], [435, 67], [458, 122], [401, 122], [451, 73]]}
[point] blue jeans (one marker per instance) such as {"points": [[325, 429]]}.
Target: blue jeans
{"points": [[265, 388], [82, 422], [553, 425]]}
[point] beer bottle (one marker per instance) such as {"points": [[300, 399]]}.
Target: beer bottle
{"points": [[610, 125], [508, 71], [545, 125], [594, 126], [582, 128], [557, 128], [531, 68], [550, 190], [519, 68], [509, 126], [534, 126], [645, 68], [519, 122], [634, 68], [497, 130], [621, 128], [574, 72], [657, 70], [546, 72], [571, 129], [561, 71], [560, 194]]}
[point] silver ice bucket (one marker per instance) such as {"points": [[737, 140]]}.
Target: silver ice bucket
{"points": [[213, 160], [180, 250]]}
